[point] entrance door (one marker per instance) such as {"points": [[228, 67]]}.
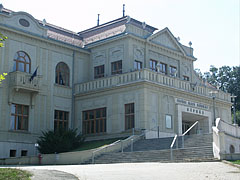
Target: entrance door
{"points": [[185, 127]]}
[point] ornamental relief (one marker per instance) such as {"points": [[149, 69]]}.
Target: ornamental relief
{"points": [[116, 53], [99, 58], [138, 54]]}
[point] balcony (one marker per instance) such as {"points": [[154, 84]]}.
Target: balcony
{"points": [[20, 81], [146, 75]]}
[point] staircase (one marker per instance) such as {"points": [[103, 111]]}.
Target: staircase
{"points": [[196, 148]]}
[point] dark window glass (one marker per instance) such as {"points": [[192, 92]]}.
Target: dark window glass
{"points": [[129, 116], [153, 65], [116, 67], [22, 62], [13, 153], [61, 119], [19, 117], [62, 74], [99, 71]]}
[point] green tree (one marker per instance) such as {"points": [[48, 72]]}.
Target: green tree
{"points": [[59, 141], [2, 38], [227, 79]]}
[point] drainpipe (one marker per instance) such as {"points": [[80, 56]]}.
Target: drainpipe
{"points": [[73, 92]]}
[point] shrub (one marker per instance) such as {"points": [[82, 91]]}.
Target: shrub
{"points": [[59, 141]]}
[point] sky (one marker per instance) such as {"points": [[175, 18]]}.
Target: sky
{"points": [[213, 26]]}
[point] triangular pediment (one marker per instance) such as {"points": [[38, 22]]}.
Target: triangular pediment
{"points": [[166, 39]]}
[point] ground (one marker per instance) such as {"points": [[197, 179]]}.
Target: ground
{"points": [[137, 171]]}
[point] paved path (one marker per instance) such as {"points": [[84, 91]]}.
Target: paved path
{"points": [[147, 171]]}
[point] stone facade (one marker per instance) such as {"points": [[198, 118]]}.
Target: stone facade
{"points": [[121, 75]]}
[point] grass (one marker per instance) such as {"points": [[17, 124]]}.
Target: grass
{"points": [[235, 162], [14, 174], [95, 144]]}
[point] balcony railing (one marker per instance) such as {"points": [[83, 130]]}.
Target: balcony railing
{"points": [[21, 82], [147, 76]]}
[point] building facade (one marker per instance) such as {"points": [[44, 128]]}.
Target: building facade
{"points": [[105, 80]]}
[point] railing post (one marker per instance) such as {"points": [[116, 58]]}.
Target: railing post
{"points": [[131, 145], [171, 154], [158, 132], [177, 143], [133, 131], [122, 146], [182, 141], [92, 157]]}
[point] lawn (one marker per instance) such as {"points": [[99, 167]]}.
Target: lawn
{"points": [[235, 162], [14, 174], [95, 144]]}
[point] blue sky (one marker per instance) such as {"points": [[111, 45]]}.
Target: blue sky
{"points": [[212, 26]]}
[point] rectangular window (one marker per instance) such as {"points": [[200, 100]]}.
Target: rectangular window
{"points": [[163, 68], [94, 121], [153, 65], [185, 78], [13, 153], [24, 153], [61, 120], [99, 71], [129, 116], [19, 117], [168, 119], [137, 65], [172, 71], [116, 67]]}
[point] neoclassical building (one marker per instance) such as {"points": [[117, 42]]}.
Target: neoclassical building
{"points": [[105, 80]]}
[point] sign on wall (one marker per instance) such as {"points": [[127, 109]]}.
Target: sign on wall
{"points": [[191, 103]]}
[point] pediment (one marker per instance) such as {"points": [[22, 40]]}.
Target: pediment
{"points": [[25, 22], [166, 39]]}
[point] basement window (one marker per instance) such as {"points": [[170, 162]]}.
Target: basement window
{"points": [[13, 153]]}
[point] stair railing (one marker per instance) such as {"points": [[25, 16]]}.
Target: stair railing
{"points": [[187, 132], [173, 142]]}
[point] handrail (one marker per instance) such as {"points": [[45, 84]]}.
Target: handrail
{"points": [[120, 141], [173, 142], [190, 128], [187, 132]]}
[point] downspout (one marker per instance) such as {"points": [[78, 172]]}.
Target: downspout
{"points": [[73, 92]]}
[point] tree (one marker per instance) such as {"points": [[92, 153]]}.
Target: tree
{"points": [[59, 141], [227, 79], [2, 38]]}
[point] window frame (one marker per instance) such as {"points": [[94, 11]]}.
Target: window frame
{"points": [[186, 78], [63, 121], [137, 65], [94, 123], [62, 74], [98, 69], [22, 59], [118, 69], [129, 116], [170, 70], [18, 116], [153, 65], [163, 68]]}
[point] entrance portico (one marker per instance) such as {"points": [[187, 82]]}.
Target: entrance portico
{"points": [[189, 113]]}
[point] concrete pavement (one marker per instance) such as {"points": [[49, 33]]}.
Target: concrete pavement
{"points": [[145, 171]]}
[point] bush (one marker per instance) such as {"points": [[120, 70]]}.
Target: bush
{"points": [[59, 141]]}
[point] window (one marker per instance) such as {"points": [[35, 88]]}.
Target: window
{"points": [[24, 153], [129, 116], [99, 71], [163, 68], [22, 62], [168, 120], [116, 67], [94, 121], [62, 74], [172, 71], [19, 117], [185, 78], [60, 120], [153, 65], [13, 153], [137, 65]]}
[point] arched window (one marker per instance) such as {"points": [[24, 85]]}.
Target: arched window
{"points": [[62, 74], [22, 62]]}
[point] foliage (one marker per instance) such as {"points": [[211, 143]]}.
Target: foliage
{"points": [[227, 79], [59, 141], [2, 77], [2, 38], [14, 174]]}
